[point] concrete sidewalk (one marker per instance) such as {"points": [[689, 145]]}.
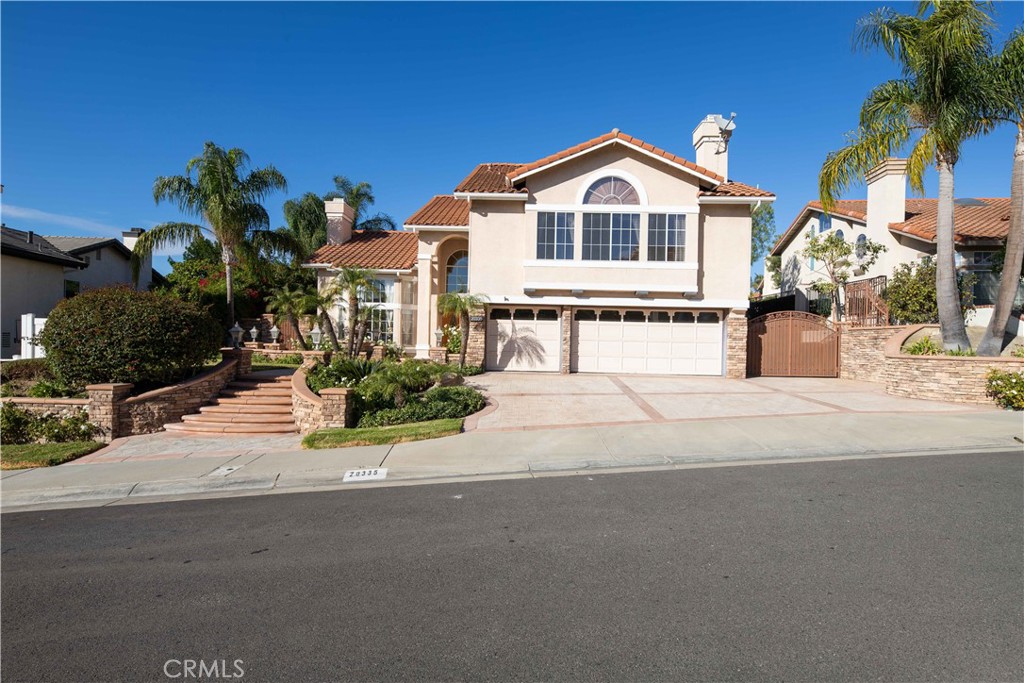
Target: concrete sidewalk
{"points": [[260, 469]]}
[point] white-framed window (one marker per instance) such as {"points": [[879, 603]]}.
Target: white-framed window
{"points": [[611, 190], [457, 273], [666, 237], [377, 292], [611, 237], [861, 249], [408, 328], [555, 234], [381, 327], [825, 224]]}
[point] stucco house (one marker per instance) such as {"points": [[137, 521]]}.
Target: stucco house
{"points": [[906, 226], [38, 271], [612, 255]]}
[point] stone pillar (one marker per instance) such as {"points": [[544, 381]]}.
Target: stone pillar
{"points": [[736, 344], [477, 344], [566, 358], [105, 402], [337, 407], [439, 354], [243, 356]]}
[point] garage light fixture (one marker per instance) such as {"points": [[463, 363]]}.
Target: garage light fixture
{"points": [[577, 292], [642, 293], [529, 290]]}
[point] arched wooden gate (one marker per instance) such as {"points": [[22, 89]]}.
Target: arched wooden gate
{"points": [[792, 344]]}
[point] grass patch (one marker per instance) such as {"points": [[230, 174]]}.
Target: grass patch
{"points": [[381, 436], [16, 457]]}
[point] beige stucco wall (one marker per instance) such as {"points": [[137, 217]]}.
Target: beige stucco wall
{"points": [[725, 252], [114, 268], [28, 287]]}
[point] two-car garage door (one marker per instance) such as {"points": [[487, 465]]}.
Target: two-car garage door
{"points": [[607, 340]]}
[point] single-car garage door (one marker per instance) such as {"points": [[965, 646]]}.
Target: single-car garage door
{"points": [[524, 339], [660, 342]]}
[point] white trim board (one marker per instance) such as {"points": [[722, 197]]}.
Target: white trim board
{"points": [[615, 302], [605, 287], [615, 208], [624, 265]]}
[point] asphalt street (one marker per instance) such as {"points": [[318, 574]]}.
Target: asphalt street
{"points": [[887, 569]]}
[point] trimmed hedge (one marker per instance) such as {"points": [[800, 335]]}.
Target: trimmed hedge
{"points": [[436, 404], [118, 334]]}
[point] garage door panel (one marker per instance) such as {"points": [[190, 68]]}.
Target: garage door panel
{"points": [[634, 332], [527, 345], [709, 333]]}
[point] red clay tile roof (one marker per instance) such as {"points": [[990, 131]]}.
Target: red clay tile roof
{"points": [[442, 210], [490, 178], [374, 249], [614, 134], [735, 189], [990, 219]]}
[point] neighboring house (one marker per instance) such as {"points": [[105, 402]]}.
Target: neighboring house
{"points": [[905, 226], [610, 256], [39, 271]]}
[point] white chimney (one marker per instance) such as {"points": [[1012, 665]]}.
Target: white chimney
{"points": [[887, 195], [129, 238], [340, 217], [712, 146]]}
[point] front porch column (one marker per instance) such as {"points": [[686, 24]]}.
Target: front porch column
{"points": [[424, 332]]}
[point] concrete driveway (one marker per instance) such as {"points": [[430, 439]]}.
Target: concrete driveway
{"points": [[542, 401]]}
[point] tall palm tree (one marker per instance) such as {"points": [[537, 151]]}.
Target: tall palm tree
{"points": [[929, 108], [217, 190], [360, 197], [306, 225], [461, 306], [351, 281], [324, 299], [290, 303], [1005, 104]]}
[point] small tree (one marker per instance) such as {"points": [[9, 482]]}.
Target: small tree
{"points": [[351, 280], [290, 303], [461, 306], [911, 295], [762, 231], [831, 254], [773, 267]]}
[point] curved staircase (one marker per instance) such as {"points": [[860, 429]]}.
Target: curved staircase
{"points": [[251, 404]]}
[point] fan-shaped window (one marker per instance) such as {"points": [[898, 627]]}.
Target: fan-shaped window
{"points": [[611, 190], [457, 273]]}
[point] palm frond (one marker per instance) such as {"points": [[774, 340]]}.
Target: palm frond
{"points": [[380, 221], [864, 150], [160, 236], [261, 182]]}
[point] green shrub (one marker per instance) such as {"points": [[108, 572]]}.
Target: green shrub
{"points": [[961, 352], [15, 424], [1006, 389], [392, 383], [118, 334], [435, 404], [56, 429], [47, 389], [467, 371], [925, 346], [1018, 351], [341, 372], [453, 335], [393, 352], [286, 359], [911, 296], [27, 369]]}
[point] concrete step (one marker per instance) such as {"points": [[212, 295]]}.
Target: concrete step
{"points": [[244, 409], [248, 393], [281, 379], [230, 428], [245, 385], [255, 401], [260, 418]]}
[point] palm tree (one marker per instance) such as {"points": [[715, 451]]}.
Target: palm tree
{"points": [[351, 281], [290, 303], [360, 197], [307, 225], [217, 190], [324, 299], [929, 107], [1006, 105], [461, 306]]}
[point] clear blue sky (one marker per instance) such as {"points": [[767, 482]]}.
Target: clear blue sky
{"points": [[99, 99]]}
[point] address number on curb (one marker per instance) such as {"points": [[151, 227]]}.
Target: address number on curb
{"points": [[373, 474]]}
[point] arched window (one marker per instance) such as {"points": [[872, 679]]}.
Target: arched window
{"points": [[457, 273], [611, 190], [839, 234], [862, 243]]}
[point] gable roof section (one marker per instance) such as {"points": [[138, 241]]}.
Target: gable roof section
{"points": [[735, 189], [854, 209], [990, 219], [16, 243], [442, 210], [614, 136], [490, 178], [373, 249], [79, 245]]}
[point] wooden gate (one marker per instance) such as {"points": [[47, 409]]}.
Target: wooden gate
{"points": [[792, 344]]}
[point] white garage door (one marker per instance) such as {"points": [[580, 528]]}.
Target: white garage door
{"points": [[524, 339], [661, 342]]}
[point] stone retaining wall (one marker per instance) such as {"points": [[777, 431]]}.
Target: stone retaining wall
{"points": [[333, 408], [62, 407], [943, 378], [862, 352]]}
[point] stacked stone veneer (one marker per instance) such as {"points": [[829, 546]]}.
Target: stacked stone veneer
{"points": [[862, 352], [476, 348], [736, 344], [944, 378], [61, 407], [333, 408], [565, 366]]}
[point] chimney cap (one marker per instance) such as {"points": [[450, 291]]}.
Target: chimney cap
{"points": [[892, 166]]}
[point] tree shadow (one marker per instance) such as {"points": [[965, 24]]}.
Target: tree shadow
{"points": [[521, 345]]}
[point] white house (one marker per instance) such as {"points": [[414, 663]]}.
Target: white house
{"points": [[611, 255]]}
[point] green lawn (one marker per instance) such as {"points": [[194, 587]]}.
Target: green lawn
{"points": [[44, 454], [380, 436]]}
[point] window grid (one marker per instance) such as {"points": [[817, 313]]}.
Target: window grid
{"points": [[555, 234], [457, 273], [381, 327], [666, 237], [611, 237]]}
